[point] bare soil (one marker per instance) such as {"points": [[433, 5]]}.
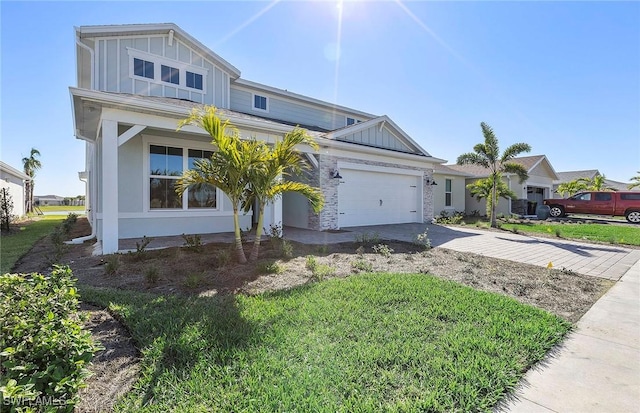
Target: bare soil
{"points": [[211, 270]]}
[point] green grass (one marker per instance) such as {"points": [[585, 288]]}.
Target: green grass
{"points": [[367, 343], [613, 234], [52, 208], [14, 246]]}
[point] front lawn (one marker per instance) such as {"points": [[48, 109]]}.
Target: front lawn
{"points": [[370, 342], [15, 245], [607, 233], [70, 208]]}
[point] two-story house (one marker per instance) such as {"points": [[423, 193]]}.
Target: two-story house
{"points": [[136, 82]]}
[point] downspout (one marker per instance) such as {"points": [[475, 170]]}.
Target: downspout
{"points": [[91, 54], [93, 234]]}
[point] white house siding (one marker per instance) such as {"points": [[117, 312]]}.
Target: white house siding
{"points": [[287, 110], [113, 69], [15, 185], [472, 205], [131, 176], [457, 194]]}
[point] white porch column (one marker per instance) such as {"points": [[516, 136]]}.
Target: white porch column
{"points": [[109, 186]]}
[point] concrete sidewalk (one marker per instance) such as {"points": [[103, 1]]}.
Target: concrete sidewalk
{"points": [[597, 368]]}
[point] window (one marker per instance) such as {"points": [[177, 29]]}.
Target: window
{"points": [[351, 121], [143, 68], [165, 168], [170, 74], [447, 192], [204, 196], [582, 197], [166, 165], [259, 102], [634, 196], [194, 80], [603, 197]]}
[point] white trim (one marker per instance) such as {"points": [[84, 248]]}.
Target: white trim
{"points": [[158, 62], [130, 133], [173, 213], [253, 102]]}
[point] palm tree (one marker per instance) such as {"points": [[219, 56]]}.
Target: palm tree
{"points": [[597, 183], [31, 165], [487, 154], [267, 182], [228, 168], [483, 188], [572, 187], [635, 182]]}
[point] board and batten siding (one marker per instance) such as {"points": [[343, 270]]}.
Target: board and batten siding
{"points": [[287, 110], [113, 56], [378, 137]]}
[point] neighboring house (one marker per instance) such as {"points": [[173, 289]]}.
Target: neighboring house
{"points": [[136, 82], [449, 194], [14, 180], [564, 177], [48, 200], [530, 193]]}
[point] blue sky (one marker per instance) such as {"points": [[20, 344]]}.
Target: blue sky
{"points": [[561, 76]]}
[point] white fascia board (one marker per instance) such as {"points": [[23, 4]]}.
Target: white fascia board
{"points": [[247, 84], [13, 171], [159, 28], [347, 150]]}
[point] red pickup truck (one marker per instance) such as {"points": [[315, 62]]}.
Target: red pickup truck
{"points": [[619, 203]]}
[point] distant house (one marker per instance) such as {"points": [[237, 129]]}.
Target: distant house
{"points": [[530, 193], [136, 82], [48, 200], [14, 180], [569, 176]]}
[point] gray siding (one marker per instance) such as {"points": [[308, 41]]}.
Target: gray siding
{"points": [[281, 109], [113, 70], [373, 136], [130, 176]]}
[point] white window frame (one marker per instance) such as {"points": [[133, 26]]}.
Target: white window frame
{"points": [[169, 212], [158, 61], [450, 192], [253, 102]]}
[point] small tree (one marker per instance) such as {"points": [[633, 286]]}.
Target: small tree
{"points": [[31, 164], [635, 182], [482, 188], [572, 187], [597, 183], [6, 209], [487, 154]]}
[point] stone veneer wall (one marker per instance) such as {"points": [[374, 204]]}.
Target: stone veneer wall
{"points": [[321, 176]]}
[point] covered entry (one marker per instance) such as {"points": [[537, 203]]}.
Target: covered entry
{"points": [[377, 195]]}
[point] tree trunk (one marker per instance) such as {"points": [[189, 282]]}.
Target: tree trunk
{"points": [[242, 259], [493, 201], [256, 242]]}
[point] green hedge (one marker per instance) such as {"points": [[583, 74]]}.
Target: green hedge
{"points": [[43, 349]]}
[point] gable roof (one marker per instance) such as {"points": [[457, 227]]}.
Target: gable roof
{"points": [[569, 176], [448, 170], [156, 28], [529, 163]]}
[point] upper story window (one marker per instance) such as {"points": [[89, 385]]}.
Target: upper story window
{"points": [[194, 80], [170, 74], [351, 121], [143, 68], [260, 102]]}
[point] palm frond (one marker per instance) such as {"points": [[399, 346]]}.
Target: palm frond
{"points": [[514, 150], [515, 168]]}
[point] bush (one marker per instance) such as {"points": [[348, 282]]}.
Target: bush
{"points": [[112, 264], [383, 249], [152, 275], [423, 239], [6, 209], [270, 268], [43, 349], [192, 242]]}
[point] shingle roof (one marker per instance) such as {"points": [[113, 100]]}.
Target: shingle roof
{"points": [[478, 171], [569, 176]]}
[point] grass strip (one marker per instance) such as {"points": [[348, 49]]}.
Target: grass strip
{"points": [[608, 233], [14, 246], [371, 342]]}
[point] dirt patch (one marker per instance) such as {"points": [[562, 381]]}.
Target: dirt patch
{"points": [[210, 270]]}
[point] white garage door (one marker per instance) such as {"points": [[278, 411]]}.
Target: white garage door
{"points": [[375, 198]]}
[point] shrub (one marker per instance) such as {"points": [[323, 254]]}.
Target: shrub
{"points": [[43, 349], [558, 233], [112, 264], [141, 247], [286, 248], [6, 209], [223, 257], [270, 268], [152, 275], [192, 242], [383, 250], [366, 238], [193, 280], [311, 263], [423, 239], [321, 271], [450, 218], [362, 265]]}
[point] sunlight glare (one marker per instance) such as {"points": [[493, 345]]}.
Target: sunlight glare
{"points": [[246, 23]]}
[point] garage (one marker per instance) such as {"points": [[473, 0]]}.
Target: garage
{"points": [[379, 196]]}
